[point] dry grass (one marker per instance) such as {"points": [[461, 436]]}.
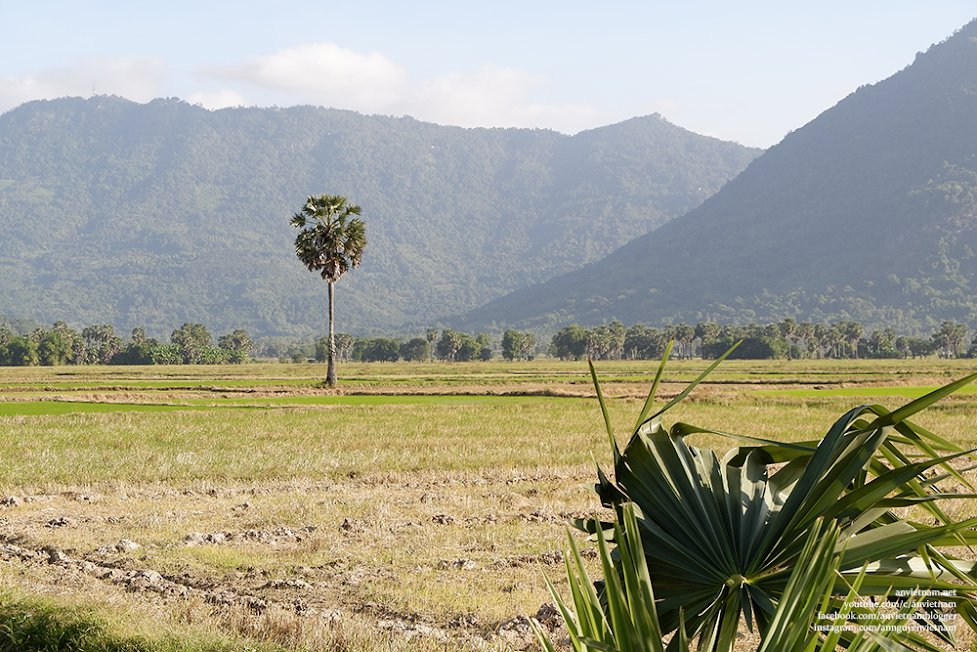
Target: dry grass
{"points": [[357, 527]]}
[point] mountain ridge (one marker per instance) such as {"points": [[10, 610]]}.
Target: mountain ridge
{"points": [[864, 213], [156, 214]]}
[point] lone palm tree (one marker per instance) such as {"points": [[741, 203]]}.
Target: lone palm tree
{"points": [[331, 242]]}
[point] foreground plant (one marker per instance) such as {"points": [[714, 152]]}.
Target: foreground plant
{"points": [[723, 538], [628, 619]]}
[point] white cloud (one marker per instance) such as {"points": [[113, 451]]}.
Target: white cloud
{"points": [[496, 97], [220, 99], [323, 72], [327, 74], [137, 79]]}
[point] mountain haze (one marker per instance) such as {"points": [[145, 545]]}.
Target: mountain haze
{"points": [[156, 214], [869, 212]]}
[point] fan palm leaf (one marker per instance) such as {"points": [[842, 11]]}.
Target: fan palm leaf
{"points": [[722, 537], [628, 621]]}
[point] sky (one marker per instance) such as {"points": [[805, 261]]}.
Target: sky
{"points": [[747, 71]]}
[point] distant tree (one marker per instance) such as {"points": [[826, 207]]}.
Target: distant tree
{"points": [[511, 345], [902, 345], [882, 344], [449, 344], [432, 337], [851, 332], [802, 333], [752, 347], [416, 350], [949, 339], [72, 341], [470, 348], [570, 342], [787, 328], [644, 343], [215, 355], [817, 340], [920, 347], [684, 334], [485, 347], [616, 332], [322, 349], [100, 344], [53, 350], [140, 350], [599, 342], [191, 339], [606, 342], [167, 354], [517, 346], [238, 346], [528, 345], [36, 335], [344, 345], [138, 335], [331, 242], [358, 347], [381, 349], [19, 352], [833, 340], [706, 331]]}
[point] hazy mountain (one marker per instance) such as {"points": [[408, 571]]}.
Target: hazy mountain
{"points": [[869, 212], [156, 214]]}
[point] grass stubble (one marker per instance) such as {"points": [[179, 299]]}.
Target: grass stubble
{"points": [[379, 526]]}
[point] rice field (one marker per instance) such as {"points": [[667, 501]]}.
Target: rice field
{"points": [[417, 507]]}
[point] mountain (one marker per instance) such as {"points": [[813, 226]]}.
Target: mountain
{"points": [[156, 214], [869, 212]]}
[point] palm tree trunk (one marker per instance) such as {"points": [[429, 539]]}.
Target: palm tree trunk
{"points": [[331, 372]]}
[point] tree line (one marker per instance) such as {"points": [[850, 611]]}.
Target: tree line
{"points": [[193, 344], [99, 344], [785, 339]]}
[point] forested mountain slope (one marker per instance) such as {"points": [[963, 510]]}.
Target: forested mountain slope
{"points": [[869, 212], [156, 214]]}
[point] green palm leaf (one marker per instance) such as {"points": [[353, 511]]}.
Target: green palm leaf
{"points": [[722, 537]]}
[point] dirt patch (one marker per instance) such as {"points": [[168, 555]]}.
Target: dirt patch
{"points": [[456, 559]]}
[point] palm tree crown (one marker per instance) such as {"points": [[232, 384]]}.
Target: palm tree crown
{"points": [[331, 241]]}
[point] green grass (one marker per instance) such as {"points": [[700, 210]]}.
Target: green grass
{"points": [[37, 624], [48, 407], [55, 408], [908, 392]]}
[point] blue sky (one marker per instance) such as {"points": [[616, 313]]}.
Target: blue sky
{"points": [[748, 71]]}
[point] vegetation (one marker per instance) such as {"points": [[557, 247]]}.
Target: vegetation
{"points": [[630, 620], [786, 339], [191, 344], [60, 345], [331, 242], [723, 539], [518, 346], [166, 210], [864, 214]]}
